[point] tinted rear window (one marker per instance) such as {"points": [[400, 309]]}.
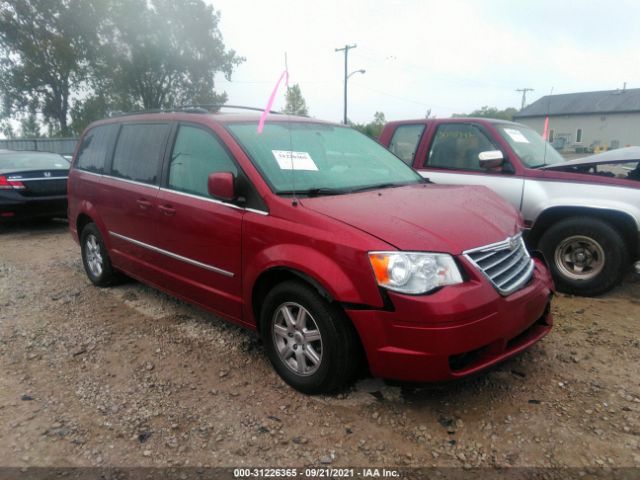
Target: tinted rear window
{"points": [[138, 152], [94, 148], [32, 161]]}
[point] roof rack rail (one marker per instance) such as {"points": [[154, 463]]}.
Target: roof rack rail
{"points": [[217, 106], [201, 108]]}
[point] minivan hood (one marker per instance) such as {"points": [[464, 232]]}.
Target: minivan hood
{"points": [[425, 217]]}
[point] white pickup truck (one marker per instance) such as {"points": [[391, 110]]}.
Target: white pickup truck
{"points": [[583, 215]]}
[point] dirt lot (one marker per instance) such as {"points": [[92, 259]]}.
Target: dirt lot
{"points": [[128, 376]]}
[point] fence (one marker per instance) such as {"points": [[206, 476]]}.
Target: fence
{"points": [[63, 146]]}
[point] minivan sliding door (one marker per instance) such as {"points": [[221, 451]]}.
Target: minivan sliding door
{"points": [[128, 201]]}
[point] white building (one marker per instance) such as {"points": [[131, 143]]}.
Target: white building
{"points": [[589, 121]]}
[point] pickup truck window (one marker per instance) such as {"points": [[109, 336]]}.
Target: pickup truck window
{"points": [[405, 142], [532, 150], [457, 145]]}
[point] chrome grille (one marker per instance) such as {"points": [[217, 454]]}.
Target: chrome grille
{"points": [[506, 264]]}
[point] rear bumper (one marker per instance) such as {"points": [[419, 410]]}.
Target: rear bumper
{"points": [[455, 332], [14, 206]]}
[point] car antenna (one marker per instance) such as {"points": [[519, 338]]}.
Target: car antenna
{"points": [[284, 76], [294, 200], [546, 128]]}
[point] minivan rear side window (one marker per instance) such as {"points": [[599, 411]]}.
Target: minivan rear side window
{"points": [[139, 152], [196, 154], [94, 148]]}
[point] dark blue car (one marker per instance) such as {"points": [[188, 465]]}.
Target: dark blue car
{"points": [[32, 185]]}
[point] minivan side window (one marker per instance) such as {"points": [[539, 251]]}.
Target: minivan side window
{"points": [[404, 142], [94, 148], [139, 152], [457, 145], [196, 154]]}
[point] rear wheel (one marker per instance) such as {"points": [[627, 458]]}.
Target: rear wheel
{"points": [[309, 342], [95, 258], [587, 255]]}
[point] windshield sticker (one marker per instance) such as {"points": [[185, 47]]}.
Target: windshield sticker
{"points": [[288, 160], [516, 135]]}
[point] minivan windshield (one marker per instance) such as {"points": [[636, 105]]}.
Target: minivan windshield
{"points": [[319, 159], [533, 151]]}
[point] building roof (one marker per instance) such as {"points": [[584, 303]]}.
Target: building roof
{"points": [[607, 101]]}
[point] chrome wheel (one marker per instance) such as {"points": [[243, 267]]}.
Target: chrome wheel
{"points": [[93, 255], [579, 257], [297, 338]]}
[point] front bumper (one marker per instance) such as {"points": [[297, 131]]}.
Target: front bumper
{"points": [[14, 206], [455, 332]]}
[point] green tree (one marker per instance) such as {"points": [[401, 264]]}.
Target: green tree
{"points": [[490, 112], [6, 129], [81, 59], [295, 103], [45, 46], [373, 128], [29, 126], [88, 110], [162, 53]]}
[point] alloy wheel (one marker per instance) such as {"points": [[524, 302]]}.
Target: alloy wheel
{"points": [[297, 338]]}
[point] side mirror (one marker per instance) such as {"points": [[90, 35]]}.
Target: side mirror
{"points": [[220, 186], [490, 159]]}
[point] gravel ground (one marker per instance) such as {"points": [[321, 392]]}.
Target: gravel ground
{"points": [[128, 376]]}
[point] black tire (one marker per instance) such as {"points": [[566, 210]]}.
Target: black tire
{"points": [[591, 237], [340, 357], [106, 276]]}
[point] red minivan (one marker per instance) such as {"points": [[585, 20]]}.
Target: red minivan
{"points": [[316, 236]]}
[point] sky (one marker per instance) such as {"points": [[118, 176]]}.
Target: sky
{"points": [[448, 56]]}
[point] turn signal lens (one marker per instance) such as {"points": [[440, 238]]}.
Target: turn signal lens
{"points": [[414, 272], [380, 264]]}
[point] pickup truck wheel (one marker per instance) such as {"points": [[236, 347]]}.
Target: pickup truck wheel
{"points": [[95, 258], [308, 341], [587, 256]]}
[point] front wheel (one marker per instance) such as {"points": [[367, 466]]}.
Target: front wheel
{"points": [[587, 256], [308, 341]]}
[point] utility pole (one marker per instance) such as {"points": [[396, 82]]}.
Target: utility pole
{"points": [[345, 49], [524, 95]]}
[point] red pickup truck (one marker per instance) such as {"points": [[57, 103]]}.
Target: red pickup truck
{"points": [[583, 215]]}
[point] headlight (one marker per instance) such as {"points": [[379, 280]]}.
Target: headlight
{"points": [[414, 273]]}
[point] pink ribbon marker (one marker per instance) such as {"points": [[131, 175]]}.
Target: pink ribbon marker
{"points": [[267, 109]]}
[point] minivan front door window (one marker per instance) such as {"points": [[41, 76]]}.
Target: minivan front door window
{"points": [[196, 154]]}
